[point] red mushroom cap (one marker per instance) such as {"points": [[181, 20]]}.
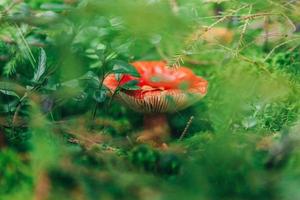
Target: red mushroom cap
{"points": [[162, 89]]}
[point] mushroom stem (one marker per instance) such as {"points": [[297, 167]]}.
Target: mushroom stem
{"points": [[156, 129], [154, 120]]}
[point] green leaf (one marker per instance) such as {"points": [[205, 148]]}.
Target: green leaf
{"points": [[10, 93], [118, 77], [93, 56], [131, 85], [91, 78], [121, 67], [100, 95], [95, 65], [41, 66]]}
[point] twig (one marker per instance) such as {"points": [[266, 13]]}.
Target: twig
{"points": [[243, 32], [19, 105], [129, 140], [192, 40], [25, 43], [266, 30], [186, 128], [279, 4], [242, 17], [115, 92], [104, 75], [8, 8], [289, 21], [276, 47]]}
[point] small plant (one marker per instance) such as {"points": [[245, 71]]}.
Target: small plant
{"points": [[287, 62], [276, 116], [152, 160]]}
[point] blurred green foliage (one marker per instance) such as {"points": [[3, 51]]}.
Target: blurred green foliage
{"points": [[64, 137]]}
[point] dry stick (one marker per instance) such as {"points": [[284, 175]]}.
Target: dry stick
{"points": [[289, 21], [283, 6], [217, 22], [129, 140], [194, 37], [276, 47], [191, 41], [239, 56], [291, 1], [243, 32], [186, 128], [30, 54], [8, 8], [244, 58], [252, 16], [267, 34], [19, 105], [242, 17]]}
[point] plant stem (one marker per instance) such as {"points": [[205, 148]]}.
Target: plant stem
{"points": [[99, 88], [156, 130], [95, 111], [115, 92], [186, 128]]}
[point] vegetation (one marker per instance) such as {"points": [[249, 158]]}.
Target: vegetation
{"points": [[63, 136]]}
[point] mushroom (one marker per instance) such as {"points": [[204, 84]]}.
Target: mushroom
{"points": [[161, 90]]}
